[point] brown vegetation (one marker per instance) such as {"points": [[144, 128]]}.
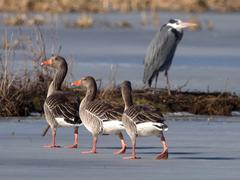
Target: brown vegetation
{"points": [[21, 93], [84, 21], [21, 96], [193, 102], [24, 20], [118, 5]]}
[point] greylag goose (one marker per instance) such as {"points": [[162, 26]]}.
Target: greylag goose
{"points": [[61, 108], [142, 121], [99, 117]]}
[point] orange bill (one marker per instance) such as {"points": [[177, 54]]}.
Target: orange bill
{"points": [[76, 83], [188, 24], [47, 62]]}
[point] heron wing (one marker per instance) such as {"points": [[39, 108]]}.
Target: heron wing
{"points": [[160, 52]]}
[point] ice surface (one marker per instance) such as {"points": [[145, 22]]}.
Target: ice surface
{"points": [[199, 149]]}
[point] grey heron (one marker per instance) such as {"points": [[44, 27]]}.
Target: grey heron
{"points": [[161, 51]]}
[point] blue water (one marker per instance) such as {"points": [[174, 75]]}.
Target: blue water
{"points": [[209, 60]]}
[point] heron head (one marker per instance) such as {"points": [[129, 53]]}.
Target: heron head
{"points": [[179, 25]]}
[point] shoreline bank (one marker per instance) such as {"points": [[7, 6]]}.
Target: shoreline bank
{"points": [[99, 6]]}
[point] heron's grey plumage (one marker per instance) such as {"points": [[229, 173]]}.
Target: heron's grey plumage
{"points": [[160, 53]]}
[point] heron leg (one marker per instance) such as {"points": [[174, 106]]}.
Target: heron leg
{"points": [[168, 83], [156, 79], [164, 154]]}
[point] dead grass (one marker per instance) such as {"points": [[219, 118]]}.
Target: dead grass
{"points": [[203, 103], [23, 19], [22, 92], [84, 21], [98, 6]]}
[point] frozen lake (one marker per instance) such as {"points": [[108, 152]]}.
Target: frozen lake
{"points": [[209, 60], [199, 149]]}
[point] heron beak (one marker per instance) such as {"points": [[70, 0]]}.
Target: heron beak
{"points": [[188, 24], [47, 62], [76, 83]]}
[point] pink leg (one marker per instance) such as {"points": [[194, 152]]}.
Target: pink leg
{"points": [[123, 145], [164, 154], [53, 145], [75, 144], [133, 157], [94, 149]]}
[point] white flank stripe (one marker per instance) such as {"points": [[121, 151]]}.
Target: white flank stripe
{"points": [[148, 129], [112, 127], [63, 123]]}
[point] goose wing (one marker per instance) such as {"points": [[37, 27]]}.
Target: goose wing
{"points": [[64, 105], [104, 111], [142, 114]]}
